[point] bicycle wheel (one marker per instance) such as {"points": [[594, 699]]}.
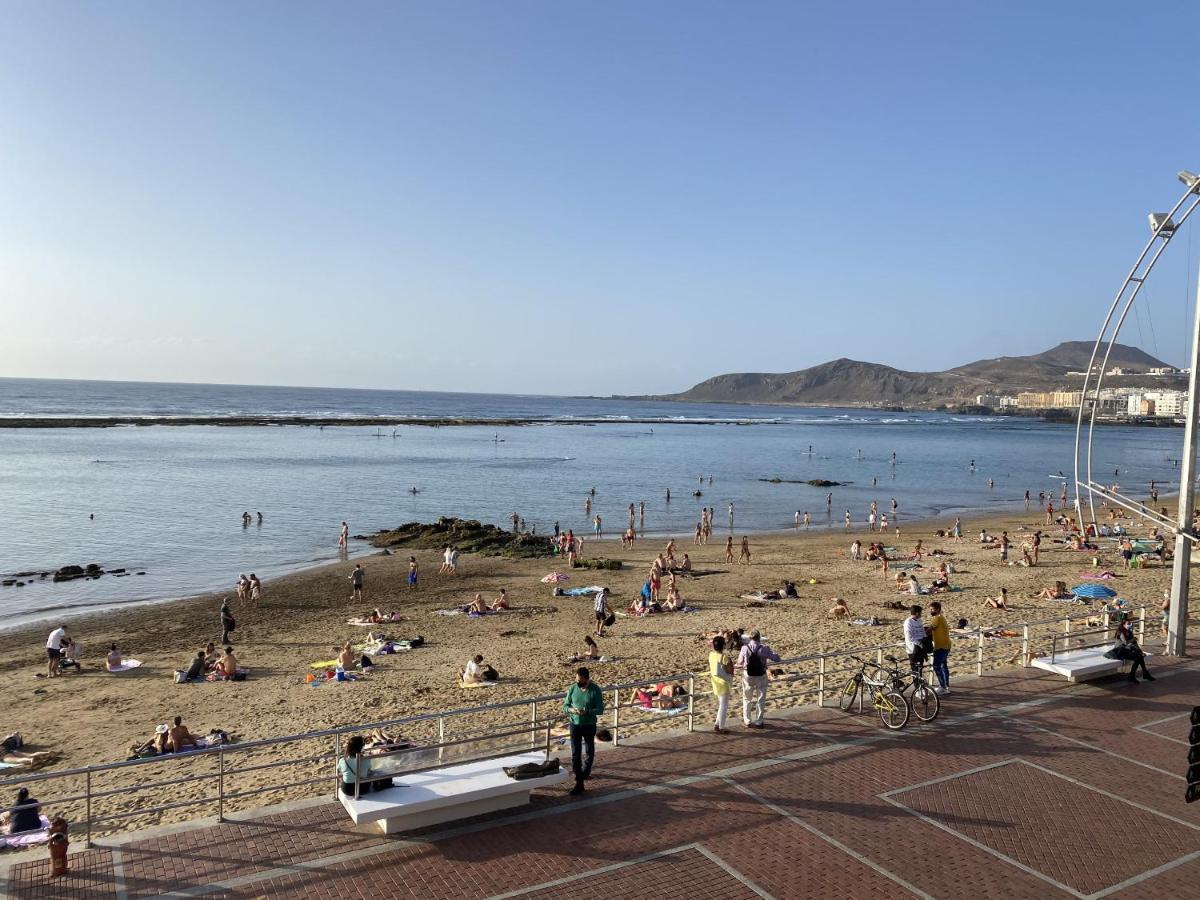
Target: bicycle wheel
{"points": [[893, 710], [925, 703], [849, 692]]}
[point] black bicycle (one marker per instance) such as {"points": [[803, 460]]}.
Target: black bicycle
{"points": [[920, 695]]}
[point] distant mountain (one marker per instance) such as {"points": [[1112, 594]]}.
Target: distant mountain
{"points": [[850, 382]]}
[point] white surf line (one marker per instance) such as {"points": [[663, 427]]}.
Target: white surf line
{"points": [[832, 841]]}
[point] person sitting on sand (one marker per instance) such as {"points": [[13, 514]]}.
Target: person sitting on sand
{"points": [[154, 746], [474, 671], [686, 564], [839, 610], [25, 816], [113, 660], [11, 753], [1000, 602], [346, 658], [211, 656], [196, 669], [179, 738], [673, 600], [476, 606], [228, 664], [1058, 592], [590, 651], [501, 601]]}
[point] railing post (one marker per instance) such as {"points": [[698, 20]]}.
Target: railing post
{"points": [[879, 657], [220, 782], [691, 702], [337, 755], [533, 724], [821, 681], [616, 717], [1067, 625], [441, 736], [979, 653], [88, 809], [1025, 648], [1142, 625]]}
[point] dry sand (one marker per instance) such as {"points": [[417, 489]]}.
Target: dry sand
{"points": [[93, 716]]}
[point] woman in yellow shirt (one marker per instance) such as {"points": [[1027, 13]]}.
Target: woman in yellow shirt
{"points": [[721, 674]]}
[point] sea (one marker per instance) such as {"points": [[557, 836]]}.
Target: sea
{"points": [[167, 501]]}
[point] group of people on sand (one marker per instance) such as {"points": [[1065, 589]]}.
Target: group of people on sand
{"points": [[221, 665], [479, 606], [249, 589], [11, 752], [704, 526], [168, 738]]}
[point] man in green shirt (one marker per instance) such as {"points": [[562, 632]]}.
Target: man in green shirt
{"points": [[584, 701]]}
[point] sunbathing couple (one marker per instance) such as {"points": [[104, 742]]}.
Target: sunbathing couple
{"points": [[660, 696], [479, 606], [167, 739], [475, 672], [376, 616], [1058, 592], [209, 660]]}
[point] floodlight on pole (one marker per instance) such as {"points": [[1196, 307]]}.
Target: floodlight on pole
{"points": [[1161, 223], [1191, 179]]}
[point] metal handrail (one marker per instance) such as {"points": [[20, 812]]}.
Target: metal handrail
{"points": [[809, 683]]}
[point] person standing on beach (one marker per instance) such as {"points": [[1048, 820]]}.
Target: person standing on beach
{"points": [[583, 703], [602, 611], [939, 630], [847, 520], [731, 514], [597, 525], [356, 582], [1027, 500], [806, 519], [729, 549], [255, 588], [228, 624], [412, 573], [1036, 543], [956, 531], [829, 500], [720, 674], [344, 535], [744, 556], [1004, 548], [516, 523], [587, 506], [54, 650], [753, 663], [895, 508]]}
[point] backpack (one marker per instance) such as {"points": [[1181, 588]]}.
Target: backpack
{"points": [[754, 663]]}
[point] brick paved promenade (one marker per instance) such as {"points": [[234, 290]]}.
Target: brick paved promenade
{"points": [[1024, 787]]}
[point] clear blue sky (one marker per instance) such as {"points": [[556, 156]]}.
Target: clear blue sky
{"points": [[566, 197]]}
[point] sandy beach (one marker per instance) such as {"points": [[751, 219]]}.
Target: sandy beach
{"points": [[93, 716]]}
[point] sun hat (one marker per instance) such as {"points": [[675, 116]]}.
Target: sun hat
{"points": [[161, 729]]}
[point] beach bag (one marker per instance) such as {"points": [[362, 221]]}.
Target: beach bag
{"points": [[416, 642], [610, 619], [926, 644], [180, 676], [490, 674], [754, 665], [529, 770], [365, 662], [238, 676]]}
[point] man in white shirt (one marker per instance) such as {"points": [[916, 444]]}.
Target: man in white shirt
{"points": [[753, 663], [54, 649], [914, 635], [473, 671]]}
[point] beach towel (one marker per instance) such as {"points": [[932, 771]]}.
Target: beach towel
{"points": [[761, 596], [579, 591], [859, 620], [125, 666], [666, 712], [477, 684], [28, 838], [447, 612], [240, 676]]}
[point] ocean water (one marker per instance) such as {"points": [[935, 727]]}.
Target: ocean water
{"points": [[168, 500]]}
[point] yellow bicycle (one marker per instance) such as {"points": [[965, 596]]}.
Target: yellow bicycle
{"points": [[886, 700]]}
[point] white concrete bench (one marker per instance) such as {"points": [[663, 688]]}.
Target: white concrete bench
{"points": [[444, 795], [1080, 665]]}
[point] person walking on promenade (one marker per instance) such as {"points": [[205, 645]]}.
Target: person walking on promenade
{"points": [[939, 630], [721, 675], [753, 663], [356, 582], [583, 703]]}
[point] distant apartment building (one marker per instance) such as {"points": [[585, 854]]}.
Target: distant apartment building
{"points": [[1164, 370], [1049, 399], [995, 401], [1156, 403]]}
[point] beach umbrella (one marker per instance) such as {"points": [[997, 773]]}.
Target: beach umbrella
{"points": [[1095, 591], [556, 578]]}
